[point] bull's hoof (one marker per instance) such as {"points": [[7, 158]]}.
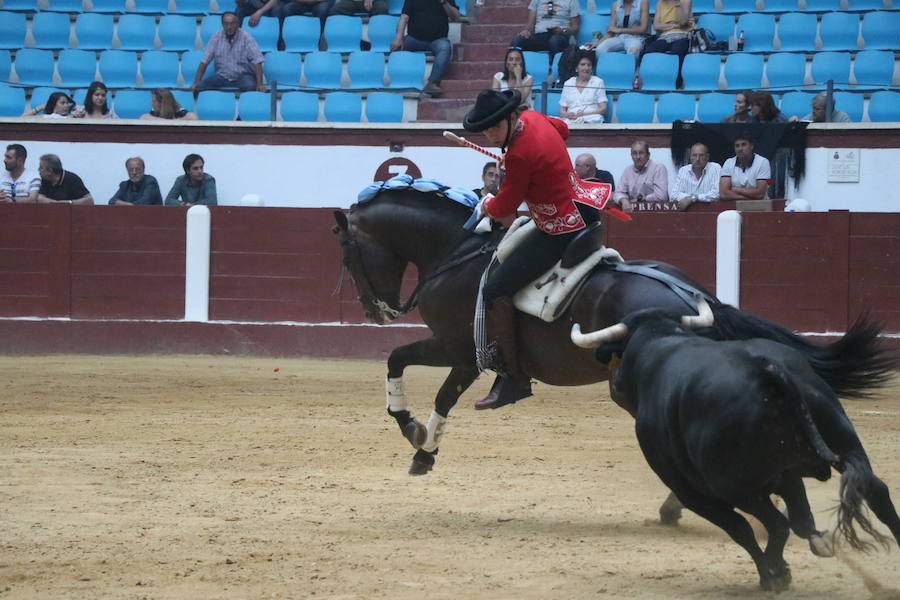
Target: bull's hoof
{"points": [[669, 518], [415, 433], [822, 544], [777, 581], [422, 462]]}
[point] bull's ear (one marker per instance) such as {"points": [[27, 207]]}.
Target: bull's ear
{"points": [[341, 219]]}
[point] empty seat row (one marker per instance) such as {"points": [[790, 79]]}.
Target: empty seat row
{"points": [[773, 6], [185, 7]]}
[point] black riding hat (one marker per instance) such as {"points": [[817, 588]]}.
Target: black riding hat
{"points": [[491, 107]]}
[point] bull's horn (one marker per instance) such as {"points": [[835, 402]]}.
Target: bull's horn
{"points": [[703, 319], [613, 333]]}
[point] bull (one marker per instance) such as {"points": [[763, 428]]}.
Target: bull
{"points": [[725, 424]]}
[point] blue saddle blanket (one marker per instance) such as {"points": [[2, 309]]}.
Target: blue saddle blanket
{"points": [[462, 195]]}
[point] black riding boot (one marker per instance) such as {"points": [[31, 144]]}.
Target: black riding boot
{"points": [[511, 384]]}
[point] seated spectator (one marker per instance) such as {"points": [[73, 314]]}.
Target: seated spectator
{"points": [[427, 24], [514, 75], [586, 168], [627, 29], [353, 7], [95, 104], [316, 8], [238, 59], [164, 106], [58, 106], [139, 188], [256, 9], [58, 185], [583, 99], [674, 22], [194, 187], [549, 26], [746, 175], [763, 109], [697, 181], [644, 181], [818, 113], [490, 179], [741, 109], [17, 184]]}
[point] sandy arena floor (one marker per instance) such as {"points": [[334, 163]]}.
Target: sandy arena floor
{"points": [[210, 477]]}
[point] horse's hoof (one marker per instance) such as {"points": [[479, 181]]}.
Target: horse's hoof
{"points": [[420, 468], [821, 544], [415, 433], [778, 581]]}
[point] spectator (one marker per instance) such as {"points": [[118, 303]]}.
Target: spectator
{"points": [[818, 111], [95, 104], [586, 168], [644, 181], [627, 29], [238, 59], [583, 99], [164, 106], [194, 187], [490, 179], [763, 109], [58, 106], [697, 181], [746, 175], [256, 9], [550, 25], [427, 23], [352, 7], [58, 185], [17, 184], [316, 8], [139, 188], [741, 109], [674, 22], [514, 75]]}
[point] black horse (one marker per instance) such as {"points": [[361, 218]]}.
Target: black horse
{"points": [[380, 237]]}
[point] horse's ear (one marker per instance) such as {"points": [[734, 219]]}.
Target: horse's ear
{"points": [[341, 220]]}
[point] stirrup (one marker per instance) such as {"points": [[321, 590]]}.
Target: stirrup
{"points": [[505, 390]]}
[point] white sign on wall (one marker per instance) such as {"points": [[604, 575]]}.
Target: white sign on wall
{"points": [[843, 165]]}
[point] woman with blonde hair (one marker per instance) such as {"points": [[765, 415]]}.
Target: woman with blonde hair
{"points": [[164, 106]]}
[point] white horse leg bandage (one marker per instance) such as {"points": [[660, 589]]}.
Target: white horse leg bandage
{"points": [[396, 394], [435, 428]]}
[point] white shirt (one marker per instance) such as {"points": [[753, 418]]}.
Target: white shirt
{"points": [[706, 188], [20, 188], [747, 178], [590, 98]]}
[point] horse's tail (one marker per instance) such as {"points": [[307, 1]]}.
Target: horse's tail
{"points": [[854, 366]]}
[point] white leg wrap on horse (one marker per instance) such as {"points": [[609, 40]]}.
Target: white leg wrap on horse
{"points": [[396, 394], [435, 428]]}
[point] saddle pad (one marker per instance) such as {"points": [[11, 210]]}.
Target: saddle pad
{"points": [[463, 196]]}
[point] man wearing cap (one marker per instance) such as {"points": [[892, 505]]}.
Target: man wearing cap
{"points": [[538, 171]]}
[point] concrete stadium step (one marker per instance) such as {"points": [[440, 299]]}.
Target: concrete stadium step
{"points": [[451, 110], [494, 33], [475, 71], [517, 13], [493, 52]]}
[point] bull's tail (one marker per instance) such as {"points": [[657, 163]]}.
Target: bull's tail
{"points": [[854, 366], [858, 483]]}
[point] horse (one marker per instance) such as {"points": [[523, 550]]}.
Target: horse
{"points": [[380, 237]]}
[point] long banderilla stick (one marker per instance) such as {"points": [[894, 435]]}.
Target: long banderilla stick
{"points": [[464, 142]]}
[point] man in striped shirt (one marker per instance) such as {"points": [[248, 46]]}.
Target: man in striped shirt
{"points": [[17, 184], [698, 181]]}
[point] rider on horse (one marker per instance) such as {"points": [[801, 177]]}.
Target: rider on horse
{"points": [[538, 172]]}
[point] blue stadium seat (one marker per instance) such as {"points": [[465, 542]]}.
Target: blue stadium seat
{"points": [[343, 107], [12, 30], [159, 69], [283, 68], [342, 33], [658, 71], [782, 6], [209, 25], [384, 107], [850, 103], [701, 71], [537, 64], [553, 97], [698, 6], [65, 6], [77, 68], [131, 104], [40, 95], [177, 32], [380, 32], [881, 29], [616, 69], [634, 107], [786, 70], [301, 33], [118, 68], [136, 32], [406, 70], [34, 67], [797, 31], [79, 95], [185, 99], [21, 5], [226, 6], [738, 6], [873, 69], [839, 30], [94, 31], [831, 65], [395, 7], [50, 30], [796, 104], [884, 106], [12, 101], [322, 70], [190, 61], [109, 6], [366, 70], [255, 106], [722, 26], [589, 24], [713, 106], [300, 106], [265, 33], [214, 105], [675, 107], [858, 5], [191, 7], [759, 31], [743, 71], [5, 65], [823, 5], [151, 7]]}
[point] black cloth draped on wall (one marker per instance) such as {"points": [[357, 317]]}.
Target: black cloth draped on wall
{"points": [[784, 144]]}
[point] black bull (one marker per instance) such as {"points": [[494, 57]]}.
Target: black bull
{"points": [[380, 237], [726, 424]]}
